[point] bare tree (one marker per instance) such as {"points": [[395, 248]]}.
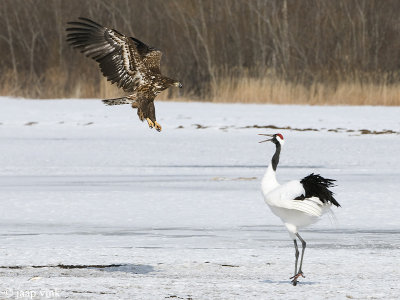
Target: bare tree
{"points": [[303, 42]]}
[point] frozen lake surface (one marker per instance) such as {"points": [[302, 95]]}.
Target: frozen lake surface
{"points": [[97, 206]]}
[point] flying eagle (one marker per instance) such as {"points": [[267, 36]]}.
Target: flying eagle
{"points": [[130, 63]]}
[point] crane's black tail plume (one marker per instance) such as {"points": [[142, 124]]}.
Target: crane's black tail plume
{"points": [[317, 186]]}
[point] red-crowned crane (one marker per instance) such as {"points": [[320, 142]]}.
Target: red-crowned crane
{"points": [[297, 203]]}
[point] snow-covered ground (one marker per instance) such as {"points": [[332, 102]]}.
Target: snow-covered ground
{"points": [[94, 205]]}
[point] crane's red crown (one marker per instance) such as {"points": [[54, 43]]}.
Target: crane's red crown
{"points": [[280, 135]]}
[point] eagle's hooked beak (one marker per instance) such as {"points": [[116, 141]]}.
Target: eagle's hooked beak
{"points": [[268, 140]]}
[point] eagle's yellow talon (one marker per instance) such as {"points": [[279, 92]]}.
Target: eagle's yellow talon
{"points": [[150, 122], [157, 126]]}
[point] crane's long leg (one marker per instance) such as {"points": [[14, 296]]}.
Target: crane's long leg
{"points": [[303, 246], [296, 254], [299, 273]]}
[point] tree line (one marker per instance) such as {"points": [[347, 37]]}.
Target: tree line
{"points": [[304, 43]]}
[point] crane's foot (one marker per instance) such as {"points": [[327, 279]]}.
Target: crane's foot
{"points": [[157, 126], [295, 277], [150, 122]]}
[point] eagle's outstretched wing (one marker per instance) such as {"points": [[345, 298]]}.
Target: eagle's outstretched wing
{"points": [[123, 60]]}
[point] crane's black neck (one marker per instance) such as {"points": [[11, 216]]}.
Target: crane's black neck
{"points": [[275, 158]]}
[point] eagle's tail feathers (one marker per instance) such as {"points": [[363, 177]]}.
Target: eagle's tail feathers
{"points": [[117, 101]]}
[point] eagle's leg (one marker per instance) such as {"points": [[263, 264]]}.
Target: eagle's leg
{"points": [[157, 126], [151, 116], [150, 122], [140, 112]]}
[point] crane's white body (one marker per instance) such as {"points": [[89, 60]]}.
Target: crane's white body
{"points": [[289, 202], [293, 213]]}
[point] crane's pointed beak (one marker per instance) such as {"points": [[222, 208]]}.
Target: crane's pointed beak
{"points": [[265, 141], [268, 140]]}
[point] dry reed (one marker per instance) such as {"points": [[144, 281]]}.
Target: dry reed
{"points": [[270, 90], [239, 89]]}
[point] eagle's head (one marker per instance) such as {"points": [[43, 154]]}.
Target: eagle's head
{"points": [[167, 82], [178, 84]]}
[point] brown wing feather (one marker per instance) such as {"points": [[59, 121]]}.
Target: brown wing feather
{"points": [[150, 55], [152, 61], [118, 57]]}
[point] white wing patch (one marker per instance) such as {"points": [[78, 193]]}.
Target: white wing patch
{"points": [[311, 206], [284, 195]]}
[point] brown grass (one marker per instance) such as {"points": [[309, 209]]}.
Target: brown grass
{"points": [[241, 89], [267, 90]]}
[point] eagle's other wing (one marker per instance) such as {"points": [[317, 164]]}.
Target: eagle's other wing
{"points": [[150, 55], [118, 57]]}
